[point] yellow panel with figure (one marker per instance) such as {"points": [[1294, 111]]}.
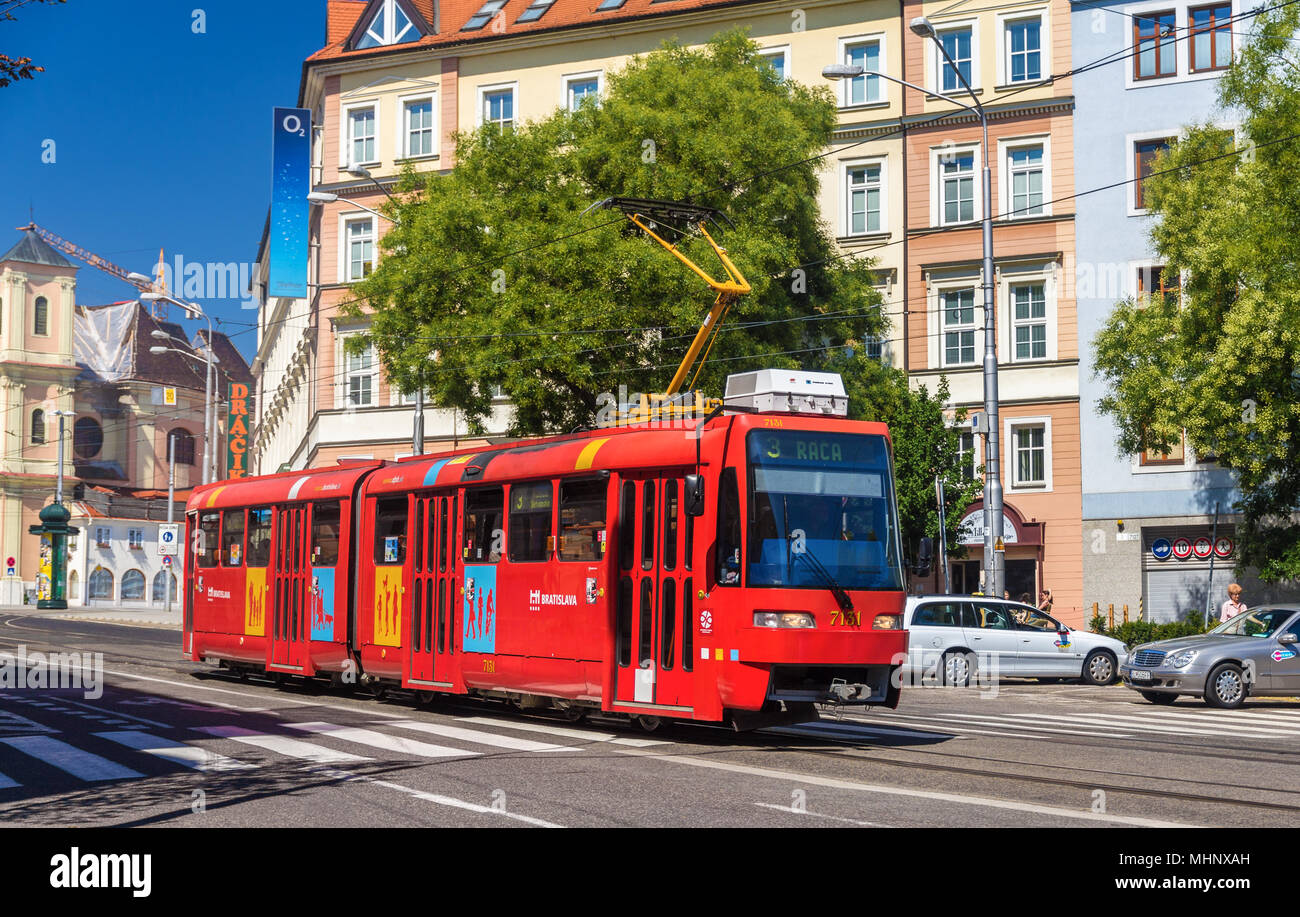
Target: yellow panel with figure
{"points": [[388, 606], [255, 594]]}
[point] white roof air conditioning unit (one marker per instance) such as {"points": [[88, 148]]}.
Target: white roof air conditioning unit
{"points": [[789, 392]]}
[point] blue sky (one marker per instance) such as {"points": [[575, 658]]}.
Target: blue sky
{"points": [[162, 137]]}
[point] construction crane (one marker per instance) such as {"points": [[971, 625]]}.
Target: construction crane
{"points": [[646, 214], [157, 309]]}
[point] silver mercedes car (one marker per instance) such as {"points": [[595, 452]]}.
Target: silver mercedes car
{"points": [[1253, 654]]}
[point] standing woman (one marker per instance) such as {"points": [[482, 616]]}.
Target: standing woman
{"points": [[1234, 606]]}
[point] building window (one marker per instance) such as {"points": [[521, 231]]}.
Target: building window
{"points": [[1176, 455], [958, 307], [1155, 280], [864, 89], [957, 42], [361, 377], [1156, 45], [41, 317], [100, 584], [1030, 446], [1144, 160], [160, 586], [135, 540], [484, 15], [1024, 50], [779, 58], [579, 88], [875, 346], [361, 135], [133, 586], [103, 536], [957, 188], [182, 447], [38, 428], [536, 10], [360, 240], [389, 27], [966, 455], [1025, 168], [863, 186], [418, 115], [1029, 324], [1211, 37], [499, 108], [87, 438]]}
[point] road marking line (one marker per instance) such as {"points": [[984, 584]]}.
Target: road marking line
{"points": [[1091, 732], [794, 811], [961, 729], [562, 731], [8, 783], [849, 732], [451, 801], [282, 745], [118, 714], [1284, 727], [279, 698], [191, 756], [382, 741], [482, 738], [1193, 728], [81, 764], [983, 801]]}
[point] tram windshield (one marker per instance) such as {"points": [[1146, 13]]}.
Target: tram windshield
{"points": [[823, 511]]}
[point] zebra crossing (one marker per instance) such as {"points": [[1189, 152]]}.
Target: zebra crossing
{"points": [[1128, 723], [97, 757]]}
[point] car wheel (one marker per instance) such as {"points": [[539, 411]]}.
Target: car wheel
{"points": [[1226, 687], [1159, 698], [1099, 668], [956, 669]]}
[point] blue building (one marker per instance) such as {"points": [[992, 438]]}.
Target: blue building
{"points": [[1149, 531]]}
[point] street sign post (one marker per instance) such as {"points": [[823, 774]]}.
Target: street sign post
{"points": [[169, 539]]}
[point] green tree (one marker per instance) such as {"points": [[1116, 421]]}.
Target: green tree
{"points": [[474, 293], [925, 446], [17, 68], [1220, 360]]}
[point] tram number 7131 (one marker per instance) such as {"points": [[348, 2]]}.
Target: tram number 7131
{"points": [[843, 618]]}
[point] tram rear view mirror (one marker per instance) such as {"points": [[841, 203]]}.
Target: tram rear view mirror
{"points": [[693, 495]]}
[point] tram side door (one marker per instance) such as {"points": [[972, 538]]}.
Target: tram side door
{"points": [[289, 624], [446, 594], [648, 604], [188, 593], [423, 589]]}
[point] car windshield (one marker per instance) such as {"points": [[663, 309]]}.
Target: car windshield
{"points": [[1261, 622], [823, 509]]}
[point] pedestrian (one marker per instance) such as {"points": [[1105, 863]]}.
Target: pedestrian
{"points": [[1045, 601], [1234, 606]]}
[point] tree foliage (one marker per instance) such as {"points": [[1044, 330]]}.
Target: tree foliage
{"points": [[17, 68], [1221, 360]]}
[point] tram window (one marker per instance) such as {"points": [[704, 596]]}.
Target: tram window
{"points": [[670, 525], [325, 534], [626, 523], [645, 656], [582, 520], [232, 538], [390, 531], [531, 506], [445, 521], [668, 615], [623, 634], [259, 537], [419, 539], [689, 548], [728, 571], [432, 529], [648, 525], [688, 624], [484, 510], [209, 539]]}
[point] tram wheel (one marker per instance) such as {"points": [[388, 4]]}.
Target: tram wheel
{"points": [[574, 714], [649, 723], [424, 698], [380, 691]]}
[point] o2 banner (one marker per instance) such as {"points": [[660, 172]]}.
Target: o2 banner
{"points": [[290, 209]]}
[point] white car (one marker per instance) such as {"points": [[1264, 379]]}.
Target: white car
{"points": [[952, 635]]}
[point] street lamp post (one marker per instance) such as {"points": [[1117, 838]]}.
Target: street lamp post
{"points": [[994, 557], [209, 409]]}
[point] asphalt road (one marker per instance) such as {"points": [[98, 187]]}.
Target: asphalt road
{"points": [[171, 742]]}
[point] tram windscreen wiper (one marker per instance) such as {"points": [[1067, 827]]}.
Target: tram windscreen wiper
{"points": [[841, 597]]}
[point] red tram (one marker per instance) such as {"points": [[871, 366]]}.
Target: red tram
{"points": [[740, 570]]}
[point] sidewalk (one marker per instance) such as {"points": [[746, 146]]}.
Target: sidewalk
{"points": [[106, 614]]}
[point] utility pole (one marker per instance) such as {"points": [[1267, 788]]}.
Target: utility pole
{"points": [[171, 513], [417, 439]]}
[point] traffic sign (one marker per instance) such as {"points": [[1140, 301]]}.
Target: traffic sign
{"points": [[1202, 547], [167, 560], [169, 538], [1161, 548], [1224, 547], [1182, 548]]}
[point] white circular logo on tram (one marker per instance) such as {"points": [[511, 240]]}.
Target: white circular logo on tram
{"points": [[706, 622]]}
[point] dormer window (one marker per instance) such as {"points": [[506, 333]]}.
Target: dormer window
{"points": [[391, 26], [484, 15], [535, 10]]}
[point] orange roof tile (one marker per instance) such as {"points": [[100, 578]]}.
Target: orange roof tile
{"points": [[340, 19]]}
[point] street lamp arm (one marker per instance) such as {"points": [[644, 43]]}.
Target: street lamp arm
{"points": [[938, 95], [957, 70]]}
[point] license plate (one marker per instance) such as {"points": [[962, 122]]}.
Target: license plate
{"points": [[1140, 675]]}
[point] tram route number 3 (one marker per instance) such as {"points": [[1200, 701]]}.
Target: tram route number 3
{"points": [[845, 618]]}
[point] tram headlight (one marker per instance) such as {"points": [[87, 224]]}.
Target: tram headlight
{"points": [[887, 622], [783, 619]]}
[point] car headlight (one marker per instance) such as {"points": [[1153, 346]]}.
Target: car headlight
{"points": [[1180, 660], [783, 619]]}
